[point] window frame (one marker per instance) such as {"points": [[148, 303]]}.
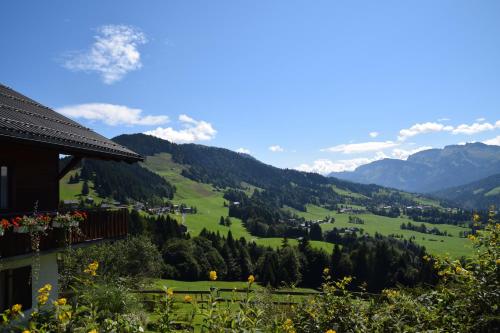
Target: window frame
{"points": [[8, 192]]}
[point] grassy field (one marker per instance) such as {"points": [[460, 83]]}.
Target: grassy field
{"points": [[209, 203], [74, 191], [454, 246]]}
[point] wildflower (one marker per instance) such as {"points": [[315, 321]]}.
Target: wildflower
{"points": [[93, 331], [188, 299], [64, 316], [213, 275], [26, 331], [288, 326], [476, 218], [43, 298], [92, 268], [5, 224], [61, 302], [472, 237], [45, 289], [498, 261], [170, 292], [326, 271], [16, 308], [331, 331], [251, 279]]}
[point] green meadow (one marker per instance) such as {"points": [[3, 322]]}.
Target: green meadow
{"points": [[209, 203], [439, 245], [210, 207]]}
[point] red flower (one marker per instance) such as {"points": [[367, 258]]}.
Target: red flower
{"points": [[5, 224], [16, 221]]}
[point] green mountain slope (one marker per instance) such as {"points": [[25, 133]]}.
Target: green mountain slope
{"points": [[203, 175], [476, 195]]}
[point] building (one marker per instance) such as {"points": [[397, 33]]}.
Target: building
{"points": [[32, 137]]}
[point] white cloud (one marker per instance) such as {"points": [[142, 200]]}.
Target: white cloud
{"points": [[194, 130], [374, 134], [276, 149], [113, 54], [493, 141], [326, 166], [443, 119], [473, 128], [111, 114], [403, 154], [423, 128], [363, 147], [480, 120], [243, 151]]}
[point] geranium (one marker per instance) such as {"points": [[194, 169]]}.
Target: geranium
{"points": [[5, 224], [79, 216]]}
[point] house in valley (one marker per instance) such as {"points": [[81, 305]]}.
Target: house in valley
{"points": [[32, 138]]}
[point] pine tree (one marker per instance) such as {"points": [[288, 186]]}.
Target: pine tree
{"points": [[85, 188]]}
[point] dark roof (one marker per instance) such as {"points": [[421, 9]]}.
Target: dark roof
{"points": [[25, 120]]}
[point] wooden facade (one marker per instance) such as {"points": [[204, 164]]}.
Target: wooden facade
{"points": [[32, 177]]}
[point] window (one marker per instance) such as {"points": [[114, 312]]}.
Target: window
{"points": [[4, 186], [15, 288]]}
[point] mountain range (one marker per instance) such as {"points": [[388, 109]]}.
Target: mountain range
{"points": [[430, 170], [223, 169]]}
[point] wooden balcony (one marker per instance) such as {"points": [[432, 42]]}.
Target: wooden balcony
{"points": [[99, 225]]}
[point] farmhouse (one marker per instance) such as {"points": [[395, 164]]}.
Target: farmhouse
{"points": [[32, 137]]}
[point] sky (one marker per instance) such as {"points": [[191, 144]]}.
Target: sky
{"points": [[321, 86]]}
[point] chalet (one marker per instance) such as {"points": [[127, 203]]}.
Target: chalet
{"points": [[32, 138]]}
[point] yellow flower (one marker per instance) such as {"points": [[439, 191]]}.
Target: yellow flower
{"points": [[476, 218], [187, 298], [64, 316], [251, 279], [16, 308], [42, 299], [45, 289], [170, 292], [61, 301], [498, 261], [92, 268], [93, 331], [26, 331], [213, 275], [288, 326], [472, 237], [331, 331], [326, 271]]}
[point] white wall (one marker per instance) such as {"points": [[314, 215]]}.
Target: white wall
{"points": [[48, 273]]}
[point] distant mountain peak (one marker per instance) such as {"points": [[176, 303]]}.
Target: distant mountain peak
{"points": [[431, 170]]}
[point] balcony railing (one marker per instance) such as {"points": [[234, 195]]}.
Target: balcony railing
{"points": [[99, 225]]}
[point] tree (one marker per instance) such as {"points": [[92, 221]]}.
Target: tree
{"points": [[222, 221], [227, 221], [85, 188], [315, 233]]}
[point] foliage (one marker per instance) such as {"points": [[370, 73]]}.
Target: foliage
{"points": [[134, 258], [125, 182]]}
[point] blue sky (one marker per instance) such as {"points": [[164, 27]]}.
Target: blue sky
{"points": [[319, 85]]}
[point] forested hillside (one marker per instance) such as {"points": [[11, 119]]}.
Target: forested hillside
{"points": [[476, 195], [122, 181], [224, 168]]}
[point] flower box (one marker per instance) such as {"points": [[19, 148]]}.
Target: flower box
{"points": [[21, 229]]}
